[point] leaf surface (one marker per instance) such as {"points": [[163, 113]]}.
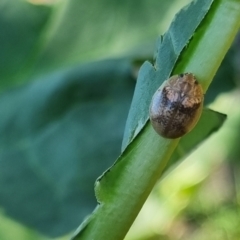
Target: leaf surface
{"points": [[151, 78], [56, 138]]}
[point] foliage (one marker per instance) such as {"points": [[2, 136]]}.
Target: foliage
{"points": [[67, 81]]}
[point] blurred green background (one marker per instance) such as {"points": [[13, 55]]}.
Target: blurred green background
{"points": [[68, 71]]}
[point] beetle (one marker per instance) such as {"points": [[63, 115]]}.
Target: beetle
{"points": [[176, 106]]}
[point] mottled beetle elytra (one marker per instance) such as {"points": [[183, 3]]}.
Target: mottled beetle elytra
{"points": [[176, 106]]}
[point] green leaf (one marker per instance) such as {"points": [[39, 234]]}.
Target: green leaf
{"points": [[100, 29], [122, 190], [36, 40], [141, 162], [49, 155], [54, 134], [21, 24], [151, 77]]}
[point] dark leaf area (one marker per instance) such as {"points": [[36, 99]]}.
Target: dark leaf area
{"points": [[57, 136]]}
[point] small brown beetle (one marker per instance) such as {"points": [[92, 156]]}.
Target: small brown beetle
{"points": [[176, 106]]}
